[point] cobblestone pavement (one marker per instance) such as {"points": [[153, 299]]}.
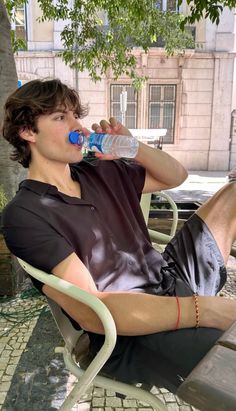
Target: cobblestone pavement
{"points": [[32, 372]]}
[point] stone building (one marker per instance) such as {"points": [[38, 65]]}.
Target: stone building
{"points": [[191, 95]]}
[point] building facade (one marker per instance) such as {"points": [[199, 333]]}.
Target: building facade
{"points": [[191, 95]]}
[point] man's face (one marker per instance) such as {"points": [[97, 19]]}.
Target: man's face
{"points": [[51, 141]]}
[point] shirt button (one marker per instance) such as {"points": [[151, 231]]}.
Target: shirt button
{"points": [[92, 208]]}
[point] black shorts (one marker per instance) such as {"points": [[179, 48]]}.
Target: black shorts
{"points": [[197, 260], [166, 358]]}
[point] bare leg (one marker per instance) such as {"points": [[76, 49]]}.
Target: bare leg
{"points": [[219, 213]]}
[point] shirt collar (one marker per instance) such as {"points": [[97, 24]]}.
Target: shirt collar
{"points": [[37, 187], [42, 189]]}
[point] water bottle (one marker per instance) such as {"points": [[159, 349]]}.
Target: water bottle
{"points": [[117, 145]]}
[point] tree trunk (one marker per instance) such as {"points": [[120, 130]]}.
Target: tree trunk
{"points": [[11, 279], [10, 172]]}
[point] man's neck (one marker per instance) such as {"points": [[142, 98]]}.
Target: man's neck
{"points": [[59, 175]]}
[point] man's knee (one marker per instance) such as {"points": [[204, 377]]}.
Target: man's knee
{"points": [[223, 200], [226, 198]]}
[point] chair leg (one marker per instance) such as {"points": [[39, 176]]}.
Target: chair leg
{"points": [[122, 389], [129, 390]]}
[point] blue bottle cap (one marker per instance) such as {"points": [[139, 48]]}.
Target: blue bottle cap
{"points": [[75, 137]]}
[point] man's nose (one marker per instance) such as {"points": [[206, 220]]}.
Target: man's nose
{"points": [[75, 124]]}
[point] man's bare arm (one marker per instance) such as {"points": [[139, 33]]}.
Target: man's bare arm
{"points": [[137, 313], [162, 170]]}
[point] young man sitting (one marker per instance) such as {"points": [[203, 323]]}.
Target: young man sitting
{"points": [[82, 222]]}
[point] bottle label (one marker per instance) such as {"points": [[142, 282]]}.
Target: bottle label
{"points": [[95, 142]]}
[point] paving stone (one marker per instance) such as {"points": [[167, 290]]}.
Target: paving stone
{"points": [[2, 397], [6, 354], [22, 346], [130, 403], [98, 392], [110, 393], [5, 378], [143, 403], [163, 390], [17, 345], [16, 353], [172, 407], [10, 369], [4, 386], [8, 347], [155, 390], [98, 402], [13, 360], [130, 409], [169, 397], [4, 340], [3, 362], [12, 334], [113, 402], [83, 407]]}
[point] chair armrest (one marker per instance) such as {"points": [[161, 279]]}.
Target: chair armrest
{"points": [[84, 297]]}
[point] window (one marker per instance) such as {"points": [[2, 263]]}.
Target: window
{"points": [[20, 23], [162, 102], [167, 5], [130, 116]]}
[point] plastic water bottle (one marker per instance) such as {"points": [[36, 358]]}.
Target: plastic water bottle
{"points": [[117, 145]]}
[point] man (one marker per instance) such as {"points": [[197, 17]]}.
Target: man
{"points": [[82, 222]]}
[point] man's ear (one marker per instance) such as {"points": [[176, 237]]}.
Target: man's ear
{"points": [[27, 134]]}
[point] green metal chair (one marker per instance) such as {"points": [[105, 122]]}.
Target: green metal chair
{"points": [[72, 337]]}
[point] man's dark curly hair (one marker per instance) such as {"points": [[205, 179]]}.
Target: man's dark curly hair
{"points": [[27, 103]]}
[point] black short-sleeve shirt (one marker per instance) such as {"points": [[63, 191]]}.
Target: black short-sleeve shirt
{"points": [[105, 227]]}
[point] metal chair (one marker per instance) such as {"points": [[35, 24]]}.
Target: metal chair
{"points": [[72, 337]]}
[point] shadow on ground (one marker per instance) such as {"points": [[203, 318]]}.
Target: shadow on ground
{"points": [[39, 381]]}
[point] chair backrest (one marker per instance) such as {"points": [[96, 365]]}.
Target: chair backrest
{"points": [[146, 204], [69, 334]]}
